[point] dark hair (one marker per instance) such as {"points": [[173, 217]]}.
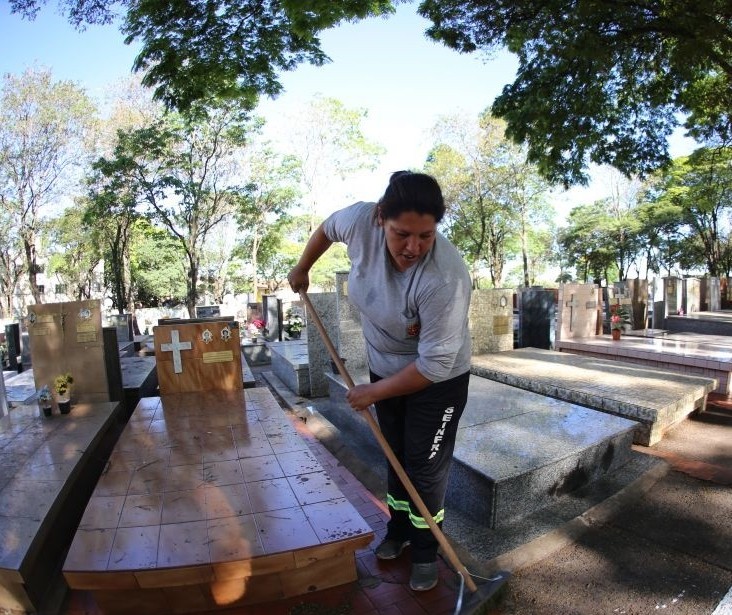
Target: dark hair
{"points": [[409, 191]]}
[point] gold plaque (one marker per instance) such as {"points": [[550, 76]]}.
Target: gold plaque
{"points": [[222, 356], [86, 336], [501, 325]]}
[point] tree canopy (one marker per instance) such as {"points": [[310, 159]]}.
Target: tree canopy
{"points": [[598, 80], [199, 51]]}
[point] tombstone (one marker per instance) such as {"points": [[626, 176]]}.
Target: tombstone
{"points": [[198, 356], [620, 295], [272, 313], [725, 293], [672, 298], [710, 296], [691, 295], [349, 341], [577, 314], [14, 344], [491, 320], [3, 397], [536, 309], [318, 357], [207, 311], [68, 337], [123, 324]]}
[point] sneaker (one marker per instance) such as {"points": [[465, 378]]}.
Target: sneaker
{"points": [[390, 548], [424, 576]]}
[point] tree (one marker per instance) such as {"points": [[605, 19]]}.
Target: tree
{"points": [[180, 171], [599, 80], [328, 140], [197, 52], [11, 262], [157, 265], [492, 195], [586, 244], [43, 130], [698, 190], [76, 251], [271, 192]]}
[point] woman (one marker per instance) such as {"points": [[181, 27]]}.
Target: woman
{"points": [[412, 289]]}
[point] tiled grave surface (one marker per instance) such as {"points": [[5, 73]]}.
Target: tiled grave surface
{"points": [[290, 364], [212, 500], [657, 398], [517, 451], [691, 354], [715, 323], [46, 465]]}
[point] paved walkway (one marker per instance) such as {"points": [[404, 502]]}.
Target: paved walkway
{"points": [[669, 550]]}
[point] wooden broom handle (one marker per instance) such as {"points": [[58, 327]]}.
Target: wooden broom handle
{"points": [[400, 472]]}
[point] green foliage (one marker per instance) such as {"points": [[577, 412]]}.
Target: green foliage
{"points": [[219, 49], [156, 265], [62, 384], [493, 197], [690, 207], [600, 81]]}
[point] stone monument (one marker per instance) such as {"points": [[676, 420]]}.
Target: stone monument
{"points": [[68, 338], [577, 315], [491, 320]]}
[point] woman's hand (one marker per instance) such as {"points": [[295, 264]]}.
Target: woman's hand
{"points": [[299, 279], [361, 396]]}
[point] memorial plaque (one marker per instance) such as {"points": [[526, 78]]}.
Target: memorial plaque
{"points": [[501, 325], [198, 356]]}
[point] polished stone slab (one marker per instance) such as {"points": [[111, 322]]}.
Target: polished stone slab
{"points": [[517, 451], [290, 363], [48, 467], [657, 398]]}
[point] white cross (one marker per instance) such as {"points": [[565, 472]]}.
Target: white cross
{"points": [[175, 347]]}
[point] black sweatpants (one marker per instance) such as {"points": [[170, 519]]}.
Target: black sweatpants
{"points": [[420, 428]]}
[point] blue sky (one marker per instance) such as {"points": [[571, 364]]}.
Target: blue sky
{"points": [[386, 66]]}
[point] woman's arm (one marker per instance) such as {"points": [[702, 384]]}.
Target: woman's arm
{"points": [[317, 245], [404, 382]]}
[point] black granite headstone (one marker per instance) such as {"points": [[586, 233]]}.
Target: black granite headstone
{"points": [[207, 311], [15, 347], [123, 324], [536, 307]]}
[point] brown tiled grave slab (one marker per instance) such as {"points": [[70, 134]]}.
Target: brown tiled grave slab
{"points": [[220, 489]]}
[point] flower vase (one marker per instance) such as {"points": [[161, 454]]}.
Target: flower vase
{"points": [[616, 334], [64, 406], [47, 410]]}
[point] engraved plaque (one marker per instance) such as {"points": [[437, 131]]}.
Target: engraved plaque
{"points": [[501, 325]]}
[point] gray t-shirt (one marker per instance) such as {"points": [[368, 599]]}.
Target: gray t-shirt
{"points": [[420, 314]]}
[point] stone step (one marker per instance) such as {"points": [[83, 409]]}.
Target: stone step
{"points": [[516, 451]]}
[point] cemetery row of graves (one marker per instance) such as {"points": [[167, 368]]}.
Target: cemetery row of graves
{"points": [[160, 484]]}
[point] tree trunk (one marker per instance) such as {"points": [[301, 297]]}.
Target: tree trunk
{"points": [[30, 259]]}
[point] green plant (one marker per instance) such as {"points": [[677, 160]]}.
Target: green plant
{"points": [[62, 384], [294, 322], [619, 316]]}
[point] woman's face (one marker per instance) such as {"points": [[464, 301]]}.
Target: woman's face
{"points": [[409, 237]]}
